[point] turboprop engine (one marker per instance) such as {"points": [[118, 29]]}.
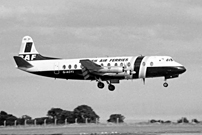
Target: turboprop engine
{"points": [[112, 70]]}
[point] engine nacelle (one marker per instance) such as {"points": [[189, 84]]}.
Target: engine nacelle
{"points": [[170, 77], [112, 70]]}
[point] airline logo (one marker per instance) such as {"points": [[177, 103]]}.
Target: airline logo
{"points": [[28, 57]]}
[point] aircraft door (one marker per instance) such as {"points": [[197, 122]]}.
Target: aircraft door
{"points": [[56, 68]]}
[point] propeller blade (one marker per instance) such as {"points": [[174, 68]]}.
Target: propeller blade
{"points": [[143, 80]]}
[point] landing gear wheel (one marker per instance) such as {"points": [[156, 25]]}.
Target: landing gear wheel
{"points": [[111, 87], [165, 84], [100, 85]]}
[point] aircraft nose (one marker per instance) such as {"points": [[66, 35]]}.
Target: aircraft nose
{"points": [[181, 69]]}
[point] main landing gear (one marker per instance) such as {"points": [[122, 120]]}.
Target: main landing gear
{"points": [[101, 86], [111, 87]]}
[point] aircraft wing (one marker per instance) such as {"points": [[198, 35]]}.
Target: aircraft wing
{"points": [[92, 69], [89, 68]]}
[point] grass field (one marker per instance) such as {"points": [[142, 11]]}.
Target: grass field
{"points": [[90, 129]]}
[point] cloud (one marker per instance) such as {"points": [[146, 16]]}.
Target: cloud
{"points": [[195, 13], [5, 12], [105, 23]]}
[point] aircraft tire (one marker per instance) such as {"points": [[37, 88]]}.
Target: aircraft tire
{"points": [[111, 87], [100, 85], [165, 84]]}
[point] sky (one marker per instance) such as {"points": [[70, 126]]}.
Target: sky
{"points": [[99, 28]]}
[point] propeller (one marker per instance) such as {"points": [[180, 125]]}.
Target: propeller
{"points": [[143, 79]]}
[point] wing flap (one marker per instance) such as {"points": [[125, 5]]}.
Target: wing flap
{"points": [[85, 73]]}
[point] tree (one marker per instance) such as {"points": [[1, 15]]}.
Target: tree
{"points": [[116, 118], [69, 115], [3, 113], [26, 117], [152, 121], [3, 117], [183, 120], [54, 112], [40, 121], [83, 113], [195, 121], [9, 118]]}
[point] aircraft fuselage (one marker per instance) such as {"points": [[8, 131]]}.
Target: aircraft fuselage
{"points": [[109, 69]]}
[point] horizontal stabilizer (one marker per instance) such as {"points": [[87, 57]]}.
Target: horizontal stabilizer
{"points": [[21, 63]]}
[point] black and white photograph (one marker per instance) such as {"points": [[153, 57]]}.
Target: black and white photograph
{"points": [[101, 67]]}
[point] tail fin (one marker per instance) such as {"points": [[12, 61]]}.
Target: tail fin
{"points": [[28, 51], [27, 46]]}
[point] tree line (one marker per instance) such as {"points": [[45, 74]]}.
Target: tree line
{"points": [[182, 120], [81, 114]]}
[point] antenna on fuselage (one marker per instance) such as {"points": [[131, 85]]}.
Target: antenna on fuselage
{"points": [[141, 55]]}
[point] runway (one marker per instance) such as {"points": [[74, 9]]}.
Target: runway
{"points": [[107, 129]]}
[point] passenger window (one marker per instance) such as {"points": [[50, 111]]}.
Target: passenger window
{"points": [[121, 64], [108, 64], [75, 66], [70, 66], [115, 64], [64, 67]]}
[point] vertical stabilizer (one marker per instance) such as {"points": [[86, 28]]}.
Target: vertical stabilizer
{"points": [[28, 51], [27, 46]]}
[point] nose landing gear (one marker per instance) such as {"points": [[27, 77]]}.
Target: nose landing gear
{"points": [[165, 84]]}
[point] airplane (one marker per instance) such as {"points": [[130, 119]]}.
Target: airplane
{"points": [[103, 69]]}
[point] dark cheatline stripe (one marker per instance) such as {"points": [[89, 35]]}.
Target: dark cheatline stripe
{"points": [[137, 66], [28, 47]]}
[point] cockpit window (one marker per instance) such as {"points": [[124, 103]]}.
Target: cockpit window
{"points": [[169, 59]]}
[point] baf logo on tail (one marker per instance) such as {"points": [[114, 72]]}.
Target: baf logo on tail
{"points": [[28, 57], [104, 69], [28, 50]]}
